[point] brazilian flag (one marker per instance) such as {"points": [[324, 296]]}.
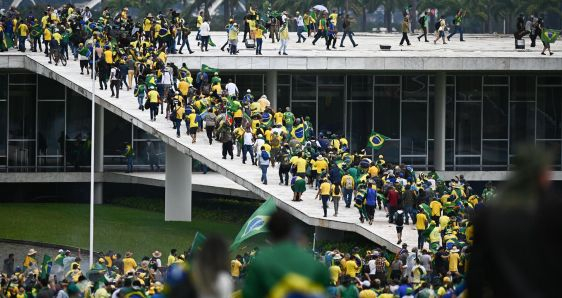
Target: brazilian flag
{"points": [[256, 224], [298, 132], [426, 209], [46, 267], [207, 68], [376, 140], [197, 243], [549, 35]]}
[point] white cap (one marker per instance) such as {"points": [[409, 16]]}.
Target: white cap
{"points": [[248, 91]]}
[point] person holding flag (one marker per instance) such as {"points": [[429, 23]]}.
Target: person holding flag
{"points": [[548, 36]]}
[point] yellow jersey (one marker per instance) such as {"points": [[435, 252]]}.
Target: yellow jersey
{"points": [[192, 120]]}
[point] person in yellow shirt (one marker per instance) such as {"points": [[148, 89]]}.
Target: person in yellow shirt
{"points": [[47, 36], [258, 34], [236, 267], [23, 31], [153, 100], [172, 257], [199, 23], [193, 126], [436, 207], [351, 267], [454, 259], [335, 273], [108, 56], [278, 117], [129, 264], [300, 163], [321, 168], [324, 193], [421, 225], [179, 115]]}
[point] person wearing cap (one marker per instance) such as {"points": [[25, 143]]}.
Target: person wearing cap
{"points": [[454, 260], [335, 270], [30, 259], [321, 169], [129, 264], [154, 100]]}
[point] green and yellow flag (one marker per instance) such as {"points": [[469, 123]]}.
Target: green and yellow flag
{"points": [[197, 243], [376, 140], [549, 35], [256, 224], [207, 68], [46, 267]]}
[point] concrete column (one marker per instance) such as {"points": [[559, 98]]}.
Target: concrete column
{"points": [[178, 186], [325, 234], [98, 154], [439, 121], [271, 88]]}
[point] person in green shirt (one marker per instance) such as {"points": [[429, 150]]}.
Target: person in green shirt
{"points": [[289, 119], [348, 289], [457, 21], [284, 269]]}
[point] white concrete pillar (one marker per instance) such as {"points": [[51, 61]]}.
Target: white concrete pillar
{"points": [[98, 153], [178, 186], [271, 88], [439, 121]]}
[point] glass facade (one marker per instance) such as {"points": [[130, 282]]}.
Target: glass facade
{"points": [[46, 127]]}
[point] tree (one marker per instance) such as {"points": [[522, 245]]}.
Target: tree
{"points": [[362, 8]]}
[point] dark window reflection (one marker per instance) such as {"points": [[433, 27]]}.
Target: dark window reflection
{"points": [[3, 127], [469, 88], [549, 112], [495, 112], [450, 112], [414, 128], [330, 109], [331, 79], [21, 156], [522, 124], [303, 109], [3, 86], [117, 132], [387, 111], [304, 87], [387, 80], [50, 135], [552, 148], [22, 112], [252, 82], [283, 97], [468, 128], [23, 78], [78, 116], [359, 119], [50, 89], [414, 87], [78, 154], [390, 151], [522, 88], [494, 153], [360, 87]]}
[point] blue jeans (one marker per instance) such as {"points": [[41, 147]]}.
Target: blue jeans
{"points": [[129, 164], [347, 196], [21, 43], [325, 200], [421, 239], [409, 212], [140, 99], [259, 42], [458, 29], [347, 33], [246, 149], [178, 125], [264, 173], [300, 30]]}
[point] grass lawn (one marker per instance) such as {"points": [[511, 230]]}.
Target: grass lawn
{"points": [[117, 228]]}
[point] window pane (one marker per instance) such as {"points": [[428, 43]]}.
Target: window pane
{"points": [[522, 87], [431, 112], [359, 119], [414, 87], [387, 111], [3, 128], [494, 153], [549, 113], [468, 161], [252, 82], [549, 80], [117, 132], [3, 86], [283, 97], [496, 80], [450, 114], [304, 87], [283, 79], [78, 154], [21, 156], [22, 112], [360, 87], [390, 151], [386, 80], [331, 80], [522, 126], [78, 116], [303, 109], [50, 89], [50, 164], [469, 88], [414, 128], [552, 148], [495, 112], [468, 128], [330, 109], [143, 135], [23, 78], [449, 154], [50, 138], [417, 162], [147, 150]]}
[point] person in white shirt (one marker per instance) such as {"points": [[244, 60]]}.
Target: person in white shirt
{"points": [[300, 28], [258, 144], [248, 146], [205, 33], [231, 88]]}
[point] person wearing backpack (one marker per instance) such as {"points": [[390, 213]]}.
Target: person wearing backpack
{"points": [[336, 193], [348, 187], [115, 80], [263, 162], [140, 93], [284, 158], [440, 30], [399, 222], [424, 24], [371, 202]]}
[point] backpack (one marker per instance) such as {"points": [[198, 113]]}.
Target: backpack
{"points": [[348, 182], [264, 155], [421, 20], [437, 25], [379, 265]]}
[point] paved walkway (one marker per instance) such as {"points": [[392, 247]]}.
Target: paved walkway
{"points": [[308, 211]]}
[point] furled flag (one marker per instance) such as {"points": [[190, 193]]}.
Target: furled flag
{"points": [[256, 224], [376, 140], [197, 243], [46, 267], [549, 35]]}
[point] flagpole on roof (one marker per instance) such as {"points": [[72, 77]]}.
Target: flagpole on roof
{"points": [[92, 153]]}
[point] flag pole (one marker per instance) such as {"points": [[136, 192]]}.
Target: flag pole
{"points": [[314, 242], [92, 144]]}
